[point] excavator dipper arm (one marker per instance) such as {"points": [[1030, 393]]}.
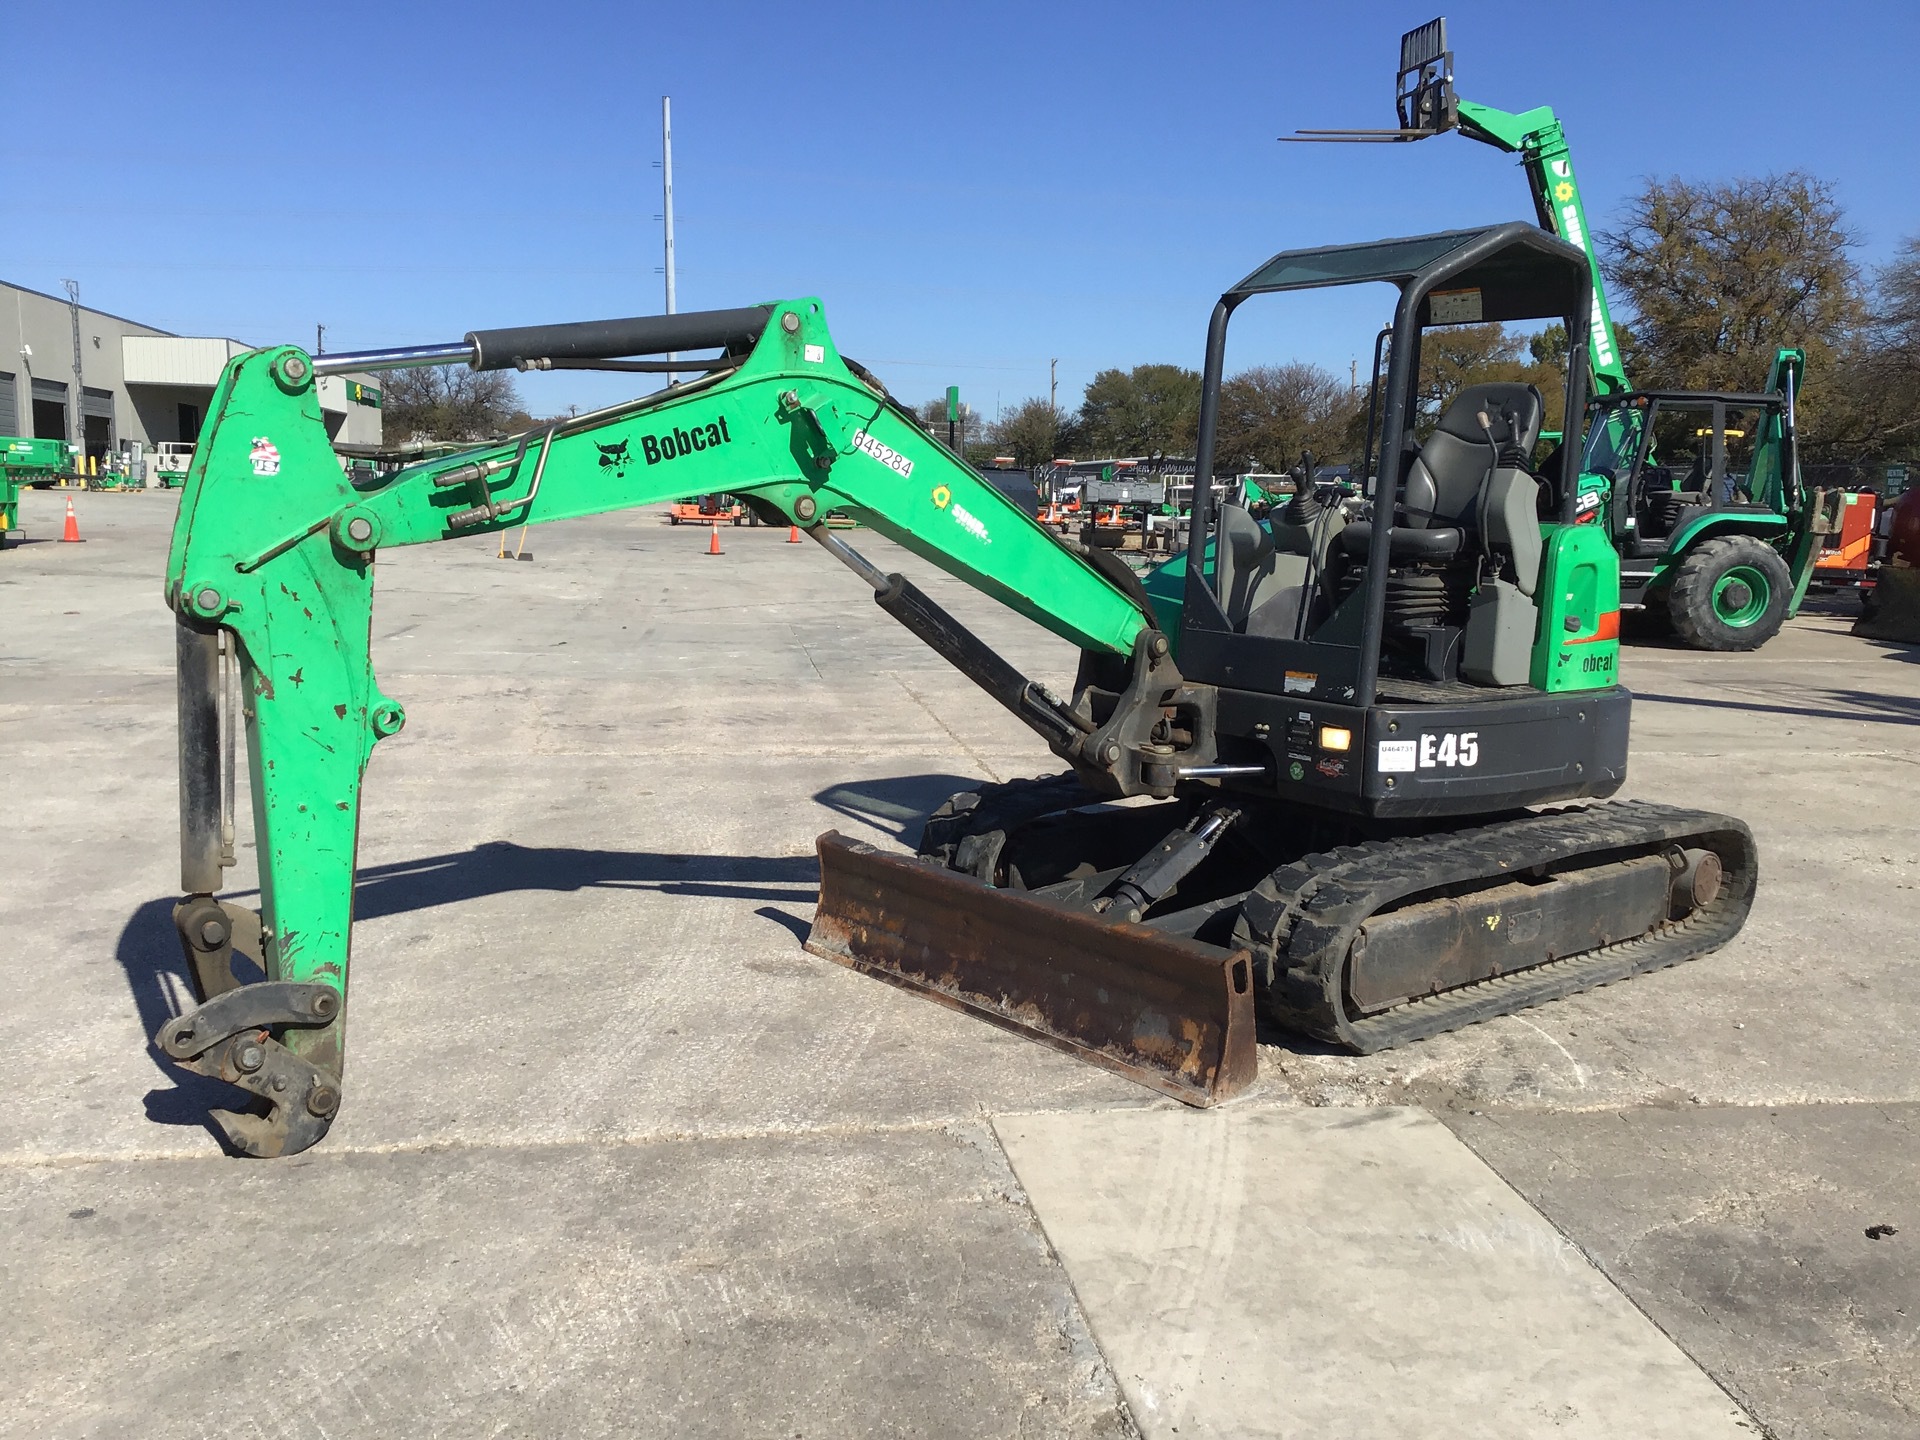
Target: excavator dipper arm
{"points": [[271, 574]]}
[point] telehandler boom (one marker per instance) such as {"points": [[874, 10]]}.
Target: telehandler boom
{"points": [[1331, 727], [1722, 549]]}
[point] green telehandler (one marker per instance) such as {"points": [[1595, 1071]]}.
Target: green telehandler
{"points": [[1329, 735], [1700, 490], [24, 462]]}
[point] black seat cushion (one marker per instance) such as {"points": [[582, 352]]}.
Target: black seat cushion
{"points": [[1441, 542], [1442, 480], [1443, 483]]}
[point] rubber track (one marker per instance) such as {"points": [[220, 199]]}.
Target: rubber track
{"points": [[1301, 921]]}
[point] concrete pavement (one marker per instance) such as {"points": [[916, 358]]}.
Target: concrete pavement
{"points": [[1284, 1272], [600, 1104]]}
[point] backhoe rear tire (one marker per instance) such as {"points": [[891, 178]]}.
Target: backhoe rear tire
{"points": [[1729, 594]]}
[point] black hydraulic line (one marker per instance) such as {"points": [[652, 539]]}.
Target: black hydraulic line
{"points": [[980, 663], [640, 367], [612, 339], [197, 667]]}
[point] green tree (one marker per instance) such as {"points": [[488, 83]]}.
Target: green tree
{"points": [[450, 402], [1270, 413], [1150, 409], [969, 433], [1033, 432], [1887, 371], [1549, 347], [1720, 275], [1453, 357]]}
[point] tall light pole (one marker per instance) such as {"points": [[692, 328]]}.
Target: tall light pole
{"points": [[666, 184], [77, 413]]}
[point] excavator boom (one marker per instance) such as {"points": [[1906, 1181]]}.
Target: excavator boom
{"points": [[271, 577]]}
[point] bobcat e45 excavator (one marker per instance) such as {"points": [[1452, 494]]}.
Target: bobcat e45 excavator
{"points": [[1700, 490], [1331, 728]]}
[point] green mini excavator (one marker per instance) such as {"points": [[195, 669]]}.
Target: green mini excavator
{"points": [[1332, 730], [1700, 490]]}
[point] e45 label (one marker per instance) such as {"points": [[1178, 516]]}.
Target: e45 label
{"points": [[1435, 750]]}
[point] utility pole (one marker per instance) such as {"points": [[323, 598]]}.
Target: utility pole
{"points": [[666, 184], [319, 339], [76, 413], [1053, 384]]}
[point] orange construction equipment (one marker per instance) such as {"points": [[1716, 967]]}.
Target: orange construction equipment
{"points": [[793, 534], [713, 545], [708, 510], [1847, 556], [72, 532]]}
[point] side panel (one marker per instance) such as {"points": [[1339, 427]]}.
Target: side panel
{"points": [[1578, 644], [1470, 758], [1459, 759]]}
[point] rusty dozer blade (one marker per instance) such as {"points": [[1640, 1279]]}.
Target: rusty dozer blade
{"points": [[1172, 1014]]}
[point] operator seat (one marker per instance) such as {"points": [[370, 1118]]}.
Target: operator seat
{"points": [[1441, 498], [1266, 570]]}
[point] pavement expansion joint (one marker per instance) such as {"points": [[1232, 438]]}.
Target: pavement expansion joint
{"points": [[333, 1146]]}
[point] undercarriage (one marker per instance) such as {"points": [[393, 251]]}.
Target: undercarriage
{"points": [[1360, 934]]}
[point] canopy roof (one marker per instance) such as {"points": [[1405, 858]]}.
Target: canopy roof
{"points": [[1519, 271]]}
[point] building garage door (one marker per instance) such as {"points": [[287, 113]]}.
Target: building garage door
{"points": [[9, 405], [50, 410], [97, 408]]}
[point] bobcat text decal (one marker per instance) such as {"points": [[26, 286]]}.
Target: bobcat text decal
{"points": [[675, 443]]}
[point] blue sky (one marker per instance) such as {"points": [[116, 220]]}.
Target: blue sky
{"points": [[970, 189]]}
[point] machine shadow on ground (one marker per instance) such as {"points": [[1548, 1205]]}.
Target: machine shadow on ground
{"points": [[898, 805], [156, 973], [497, 867]]}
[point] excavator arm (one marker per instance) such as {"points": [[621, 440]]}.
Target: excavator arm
{"points": [[271, 577]]}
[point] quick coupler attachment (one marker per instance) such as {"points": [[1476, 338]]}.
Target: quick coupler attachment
{"points": [[232, 1038]]}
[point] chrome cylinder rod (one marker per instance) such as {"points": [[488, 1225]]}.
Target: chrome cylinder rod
{"points": [[400, 357], [848, 556]]}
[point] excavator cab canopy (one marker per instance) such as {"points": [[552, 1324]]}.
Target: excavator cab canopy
{"points": [[1519, 272], [1301, 608]]}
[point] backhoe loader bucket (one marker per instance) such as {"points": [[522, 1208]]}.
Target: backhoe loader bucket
{"points": [[1168, 1013]]}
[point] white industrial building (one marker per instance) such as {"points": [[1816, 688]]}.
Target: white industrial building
{"points": [[135, 387]]}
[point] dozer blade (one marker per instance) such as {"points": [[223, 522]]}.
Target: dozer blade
{"points": [[1171, 1014]]}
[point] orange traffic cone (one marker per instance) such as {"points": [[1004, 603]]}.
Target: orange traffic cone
{"points": [[72, 532], [793, 534], [713, 545]]}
